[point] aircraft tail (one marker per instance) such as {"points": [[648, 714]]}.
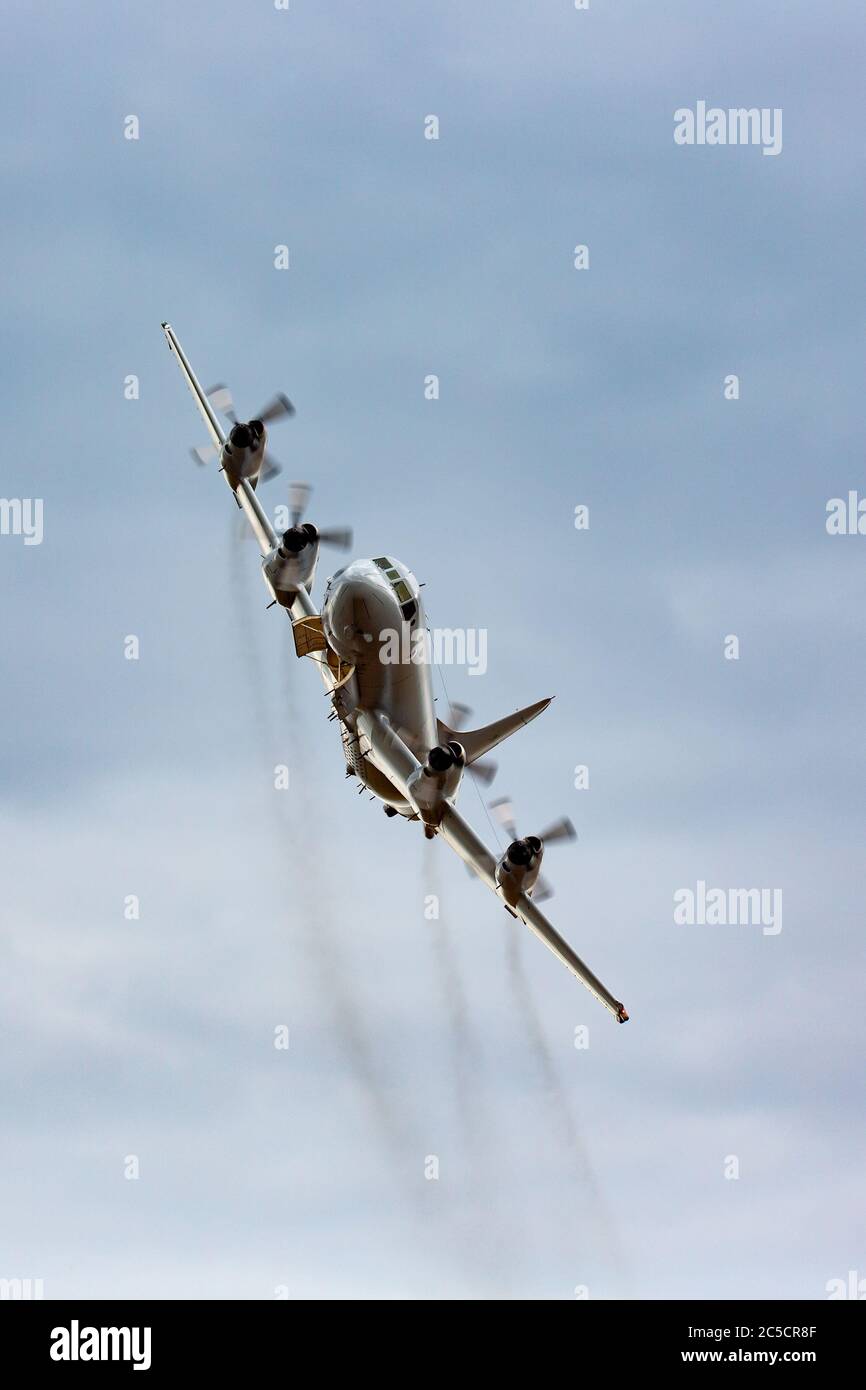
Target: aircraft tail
{"points": [[477, 742]]}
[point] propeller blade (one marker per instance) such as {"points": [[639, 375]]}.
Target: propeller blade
{"points": [[457, 716], [560, 830], [504, 813], [542, 891], [270, 468], [203, 453], [276, 409], [485, 769], [299, 496], [340, 538], [220, 398]]}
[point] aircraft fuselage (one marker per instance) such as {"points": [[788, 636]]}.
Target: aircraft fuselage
{"points": [[371, 615]]}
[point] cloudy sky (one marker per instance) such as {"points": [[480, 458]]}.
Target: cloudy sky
{"points": [[606, 1168]]}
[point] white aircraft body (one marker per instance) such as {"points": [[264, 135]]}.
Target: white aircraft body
{"points": [[392, 740]]}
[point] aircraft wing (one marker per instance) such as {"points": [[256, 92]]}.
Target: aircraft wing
{"points": [[475, 853], [302, 606], [214, 428]]}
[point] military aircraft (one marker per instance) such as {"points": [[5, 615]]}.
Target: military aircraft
{"points": [[392, 740]]}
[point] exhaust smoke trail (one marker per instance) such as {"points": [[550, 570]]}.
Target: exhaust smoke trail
{"points": [[464, 1047], [559, 1103], [322, 933], [506, 1238], [317, 911], [494, 1259]]}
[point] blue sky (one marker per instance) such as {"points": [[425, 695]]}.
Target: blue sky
{"points": [[304, 1170]]}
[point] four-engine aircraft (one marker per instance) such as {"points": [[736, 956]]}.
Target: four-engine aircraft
{"points": [[392, 740]]}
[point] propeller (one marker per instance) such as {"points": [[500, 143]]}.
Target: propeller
{"points": [[556, 833], [503, 810], [220, 398], [543, 889], [457, 716], [278, 407], [340, 537], [299, 496], [558, 830], [485, 769]]}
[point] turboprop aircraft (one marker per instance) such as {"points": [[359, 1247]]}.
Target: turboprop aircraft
{"points": [[393, 742]]}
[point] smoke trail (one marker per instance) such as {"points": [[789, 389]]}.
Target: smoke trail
{"points": [[322, 934], [464, 1047], [317, 917], [497, 1257], [316, 912], [559, 1104]]}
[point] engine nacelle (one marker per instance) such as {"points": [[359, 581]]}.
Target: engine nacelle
{"points": [[291, 565], [438, 780], [443, 757], [518, 869], [243, 453]]}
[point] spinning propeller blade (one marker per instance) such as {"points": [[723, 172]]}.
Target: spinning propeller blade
{"points": [[220, 398], [276, 408], [504, 813], [485, 769], [338, 536], [270, 467], [555, 833], [561, 829], [299, 496], [457, 716]]}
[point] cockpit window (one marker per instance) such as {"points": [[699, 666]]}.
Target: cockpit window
{"points": [[408, 607]]}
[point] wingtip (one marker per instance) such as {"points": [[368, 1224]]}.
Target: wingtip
{"points": [[539, 707]]}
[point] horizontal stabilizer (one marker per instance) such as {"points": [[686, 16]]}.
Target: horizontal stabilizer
{"points": [[477, 742]]}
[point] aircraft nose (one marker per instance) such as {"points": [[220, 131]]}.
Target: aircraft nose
{"points": [[349, 621], [356, 618]]}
